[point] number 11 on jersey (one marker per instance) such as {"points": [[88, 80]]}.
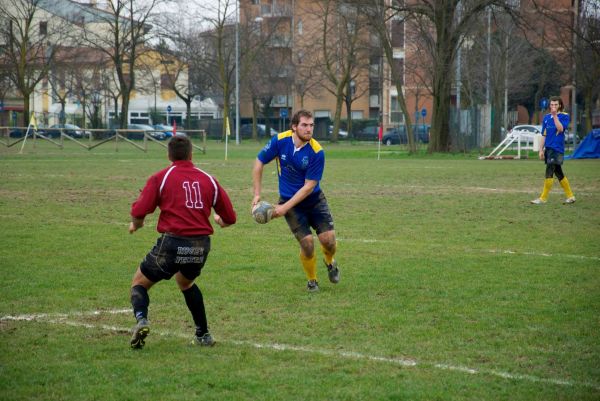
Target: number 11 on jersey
{"points": [[192, 195]]}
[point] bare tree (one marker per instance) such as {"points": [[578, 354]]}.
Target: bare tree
{"points": [[87, 83], [341, 37], [216, 58], [515, 75], [587, 61], [182, 52], [69, 76], [31, 45], [125, 31], [379, 20], [445, 29], [579, 32], [267, 66], [174, 74]]}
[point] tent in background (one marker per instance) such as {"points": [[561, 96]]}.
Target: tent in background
{"points": [[589, 148]]}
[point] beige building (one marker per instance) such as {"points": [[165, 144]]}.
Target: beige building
{"points": [[82, 80]]}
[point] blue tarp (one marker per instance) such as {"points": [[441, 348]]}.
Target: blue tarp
{"points": [[589, 148]]}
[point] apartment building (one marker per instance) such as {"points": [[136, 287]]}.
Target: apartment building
{"points": [[300, 22], [82, 80], [296, 29]]}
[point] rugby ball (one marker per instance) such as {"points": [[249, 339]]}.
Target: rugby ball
{"points": [[263, 212]]}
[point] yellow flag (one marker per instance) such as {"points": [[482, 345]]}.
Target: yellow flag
{"points": [[33, 122], [227, 130]]}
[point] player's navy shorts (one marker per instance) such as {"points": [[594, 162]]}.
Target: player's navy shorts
{"points": [[173, 254], [311, 212], [553, 157]]}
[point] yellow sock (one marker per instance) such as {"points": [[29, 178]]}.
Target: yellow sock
{"points": [[328, 255], [547, 186], [309, 264], [567, 187]]}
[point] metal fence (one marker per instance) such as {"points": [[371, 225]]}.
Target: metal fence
{"points": [[93, 138], [468, 129]]}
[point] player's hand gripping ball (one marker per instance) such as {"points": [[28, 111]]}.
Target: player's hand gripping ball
{"points": [[263, 212]]}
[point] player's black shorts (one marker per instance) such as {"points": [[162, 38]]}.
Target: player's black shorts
{"points": [[173, 254], [553, 157], [311, 212]]}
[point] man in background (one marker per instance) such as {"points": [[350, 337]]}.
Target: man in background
{"points": [[552, 150]]}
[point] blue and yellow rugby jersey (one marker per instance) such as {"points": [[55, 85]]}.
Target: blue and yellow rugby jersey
{"points": [[294, 165], [555, 140]]}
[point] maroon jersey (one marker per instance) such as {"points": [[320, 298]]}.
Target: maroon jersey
{"points": [[185, 195]]}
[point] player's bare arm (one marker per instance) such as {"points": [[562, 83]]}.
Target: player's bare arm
{"points": [[219, 220], [135, 224], [541, 151], [281, 210], [257, 173]]}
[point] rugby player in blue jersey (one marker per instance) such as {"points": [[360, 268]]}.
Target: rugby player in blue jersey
{"points": [[300, 163], [552, 150]]}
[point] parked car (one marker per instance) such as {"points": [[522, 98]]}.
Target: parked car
{"points": [[261, 129], [140, 135], [394, 136], [20, 132], [528, 131], [368, 133], [69, 129], [526, 128], [167, 130], [537, 129], [398, 135], [341, 132]]}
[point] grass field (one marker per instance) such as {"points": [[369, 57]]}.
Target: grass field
{"points": [[453, 286]]}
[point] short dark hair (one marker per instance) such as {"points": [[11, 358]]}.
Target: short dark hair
{"points": [[558, 99], [298, 114], [180, 148]]}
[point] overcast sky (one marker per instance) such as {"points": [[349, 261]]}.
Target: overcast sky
{"points": [[194, 11]]}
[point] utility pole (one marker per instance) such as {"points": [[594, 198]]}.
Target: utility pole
{"points": [[489, 48], [458, 71], [237, 73], [574, 71]]}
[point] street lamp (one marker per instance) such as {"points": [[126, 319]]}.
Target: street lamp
{"points": [[237, 73], [96, 104]]}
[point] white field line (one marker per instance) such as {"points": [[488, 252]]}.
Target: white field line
{"points": [[363, 240], [65, 319], [503, 251], [549, 255]]}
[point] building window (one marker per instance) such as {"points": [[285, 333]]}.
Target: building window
{"points": [[399, 68], [43, 28], [299, 26], [322, 114], [397, 33], [357, 115], [255, 2], [396, 116], [165, 81]]}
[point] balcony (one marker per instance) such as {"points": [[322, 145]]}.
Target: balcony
{"points": [[275, 10], [279, 40]]}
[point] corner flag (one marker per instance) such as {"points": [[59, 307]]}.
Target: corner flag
{"points": [[33, 122], [174, 127], [227, 130], [380, 137]]}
